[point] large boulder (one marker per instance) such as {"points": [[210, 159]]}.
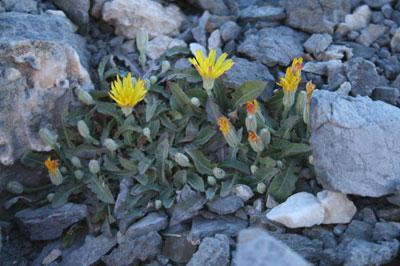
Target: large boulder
{"points": [[129, 16], [355, 144], [41, 58], [316, 16]]}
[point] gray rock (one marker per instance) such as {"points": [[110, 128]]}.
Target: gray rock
{"points": [[322, 234], [272, 46], [358, 230], [178, 249], [90, 252], [318, 43], [41, 58], [199, 32], [142, 248], [47, 223], [311, 250], [244, 70], [77, 11], [386, 231], [264, 13], [324, 68], [315, 16], [370, 34], [377, 3], [151, 222], [257, 248], [229, 31], [202, 227], [387, 11], [226, 205], [25, 6], [121, 204], [367, 215], [395, 42], [360, 252], [365, 165], [243, 191], [362, 75], [212, 251], [187, 208], [215, 7], [387, 94]]}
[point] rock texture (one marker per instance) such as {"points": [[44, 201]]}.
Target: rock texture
{"points": [[40, 59], [257, 248], [338, 208], [354, 148], [129, 16], [212, 251]]}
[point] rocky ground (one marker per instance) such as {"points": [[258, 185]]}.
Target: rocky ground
{"points": [[350, 48]]}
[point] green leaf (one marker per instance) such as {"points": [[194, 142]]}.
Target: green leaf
{"points": [[293, 149], [265, 174], [162, 151], [151, 107], [127, 164], [202, 164], [211, 192], [213, 112], [250, 90], [177, 50], [283, 185], [110, 109], [180, 178], [182, 99], [196, 182], [144, 165], [236, 165], [63, 192], [287, 125], [33, 159], [101, 189], [226, 186], [204, 135]]}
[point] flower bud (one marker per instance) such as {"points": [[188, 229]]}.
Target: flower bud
{"points": [[63, 170], [84, 96], [110, 144], [265, 136], [195, 101], [301, 102], [251, 123], [56, 177], [83, 129], [142, 40], [182, 159], [94, 166], [228, 131], [255, 142], [78, 174], [50, 197], [147, 83], [253, 169], [261, 188], [311, 160], [165, 66], [48, 137], [146, 132], [288, 100], [211, 180], [153, 80], [15, 187], [219, 173], [279, 164], [76, 162], [158, 204]]}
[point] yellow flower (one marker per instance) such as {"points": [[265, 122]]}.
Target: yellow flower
{"points": [[127, 95], [224, 125], [210, 68], [228, 131], [297, 64], [52, 166], [290, 81], [310, 87]]}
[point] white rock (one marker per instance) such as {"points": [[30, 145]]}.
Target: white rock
{"points": [[129, 16], [195, 46], [243, 191], [162, 43], [338, 208], [214, 41], [299, 210], [359, 19]]}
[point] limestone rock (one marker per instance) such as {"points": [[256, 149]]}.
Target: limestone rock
{"points": [[41, 58], [354, 149], [212, 251], [338, 208], [362, 75], [356, 21], [77, 11], [129, 16], [162, 43]]}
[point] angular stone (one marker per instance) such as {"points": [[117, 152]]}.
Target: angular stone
{"points": [[215, 7], [200, 32], [365, 165], [359, 230], [90, 252], [121, 204], [129, 249], [162, 43], [226, 205], [77, 11], [322, 234], [395, 41], [299, 210], [129, 16], [227, 225], [187, 208], [229, 31], [257, 248], [47, 223], [389, 95], [214, 41], [263, 13], [362, 75], [151, 222], [243, 191], [318, 43], [212, 251], [272, 46], [386, 231], [178, 248], [315, 16], [40, 60], [356, 21], [370, 34], [323, 68], [338, 208], [377, 3], [25, 6]]}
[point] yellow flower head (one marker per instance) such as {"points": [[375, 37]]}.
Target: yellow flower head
{"points": [[290, 81], [224, 125], [310, 87], [125, 94], [297, 64], [51, 165], [252, 107], [211, 68]]}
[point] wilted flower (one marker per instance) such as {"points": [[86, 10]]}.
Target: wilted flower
{"points": [[210, 68], [228, 131], [252, 107], [54, 172], [127, 95], [255, 142], [310, 87], [297, 64]]}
